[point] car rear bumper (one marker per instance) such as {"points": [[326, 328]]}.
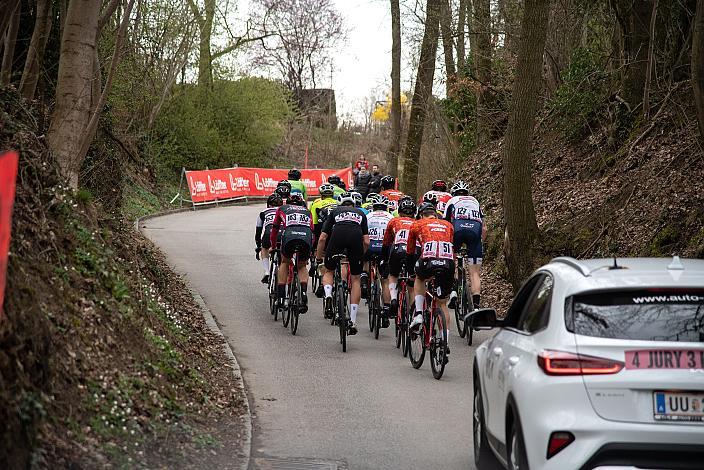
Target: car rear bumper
{"points": [[647, 456]]}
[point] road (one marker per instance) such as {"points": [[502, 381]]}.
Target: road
{"points": [[366, 409]]}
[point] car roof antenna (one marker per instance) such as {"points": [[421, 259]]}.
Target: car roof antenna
{"points": [[615, 265]]}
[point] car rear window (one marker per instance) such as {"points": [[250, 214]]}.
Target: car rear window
{"points": [[645, 315]]}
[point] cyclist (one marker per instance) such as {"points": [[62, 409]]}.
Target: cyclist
{"points": [[339, 185], [377, 222], [435, 261], [295, 223], [319, 210], [439, 187], [358, 200], [369, 201], [466, 216], [294, 178], [394, 246], [347, 230], [283, 189], [264, 223], [387, 185]]}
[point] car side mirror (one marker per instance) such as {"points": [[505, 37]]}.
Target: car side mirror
{"points": [[482, 319]]}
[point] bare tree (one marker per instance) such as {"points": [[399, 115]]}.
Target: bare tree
{"points": [[698, 64], [421, 94], [10, 38], [461, 28], [519, 211], [302, 35], [395, 144], [634, 19], [35, 53], [448, 44], [482, 60]]}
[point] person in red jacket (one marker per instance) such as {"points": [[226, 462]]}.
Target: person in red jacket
{"points": [[294, 223], [360, 163], [435, 260]]}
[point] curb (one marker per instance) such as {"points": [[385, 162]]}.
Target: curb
{"points": [[212, 324]]}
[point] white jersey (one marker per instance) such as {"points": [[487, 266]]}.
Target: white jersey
{"points": [[463, 208], [377, 222]]}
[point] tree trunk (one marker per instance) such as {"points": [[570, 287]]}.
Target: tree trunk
{"points": [[471, 36], [447, 44], [519, 212], [634, 19], [7, 11], [72, 111], [482, 59], [35, 53], [423, 90], [649, 67], [461, 27], [698, 64], [205, 60], [10, 40], [395, 147]]}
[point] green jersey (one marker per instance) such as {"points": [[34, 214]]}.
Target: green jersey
{"points": [[318, 205], [298, 186]]}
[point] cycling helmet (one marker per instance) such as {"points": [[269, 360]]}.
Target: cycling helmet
{"points": [[460, 187], [296, 199], [381, 203], [431, 197], [357, 198], [334, 179], [274, 200], [342, 185], [326, 189], [294, 174], [407, 206], [387, 182], [426, 207], [345, 198], [283, 191], [372, 197], [439, 185]]}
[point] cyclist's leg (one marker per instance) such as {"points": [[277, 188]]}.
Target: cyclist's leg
{"points": [[282, 276], [474, 261], [444, 280], [355, 258], [304, 256], [330, 263]]}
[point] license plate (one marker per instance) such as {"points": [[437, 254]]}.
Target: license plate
{"points": [[665, 359], [678, 406]]}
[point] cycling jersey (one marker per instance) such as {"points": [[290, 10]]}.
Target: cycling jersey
{"points": [[466, 217], [364, 210], [318, 205], [436, 252], [345, 227], [298, 186], [265, 221], [337, 190], [377, 222], [394, 245], [393, 195], [296, 226], [442, 197]]}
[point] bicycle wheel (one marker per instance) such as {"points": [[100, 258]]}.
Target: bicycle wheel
{"points": [[416, 348], [272, 284], [342, 315], [370, 306], [438, 344], [376, 303], [286, 312], [398, 331], [406, 320], [294, 304], [460, 304], [469, 325]]}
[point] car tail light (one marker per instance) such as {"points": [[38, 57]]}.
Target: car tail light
{"points": [[566, 363], [558, 441]]}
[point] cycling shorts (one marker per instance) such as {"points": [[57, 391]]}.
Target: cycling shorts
{"points": [[397, 258], [297, 239], [469, 232], [266, 238], [376, 256], [441, 270], [347, 239]]}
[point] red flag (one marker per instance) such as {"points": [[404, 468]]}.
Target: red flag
{"points": [[8, 174]]}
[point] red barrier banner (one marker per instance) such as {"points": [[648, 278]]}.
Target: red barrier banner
{"points": [[218, 185], [8, 175]]}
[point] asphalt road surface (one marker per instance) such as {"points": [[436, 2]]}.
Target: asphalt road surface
{"points": [[312, 404]]}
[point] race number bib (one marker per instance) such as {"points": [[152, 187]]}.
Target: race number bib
{"points": [[401, 237], [376, 233], [442, 250], [269, 218], [297, 218], [466, 213]]}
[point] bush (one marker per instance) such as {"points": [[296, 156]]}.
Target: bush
{"points": [[236, 122]]}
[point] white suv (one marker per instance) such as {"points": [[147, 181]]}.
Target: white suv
{"points": [[598, 364]]}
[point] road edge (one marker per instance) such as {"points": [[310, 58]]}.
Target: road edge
{"points": [[227, 349]]}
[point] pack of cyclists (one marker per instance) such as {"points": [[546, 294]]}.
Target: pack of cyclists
{"points": [[387, 228]]}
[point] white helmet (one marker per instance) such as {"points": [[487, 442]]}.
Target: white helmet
{"points": [[345, 197], [357, 198], [459, 186], [326, 189]]}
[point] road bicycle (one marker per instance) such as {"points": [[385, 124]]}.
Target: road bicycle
{"points": [[462, 305], [403, 311], [274, 261], [375, 288], [340, 295], [431, 337], [292, 310], [314, 274]]}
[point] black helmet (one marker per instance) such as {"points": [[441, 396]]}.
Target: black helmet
{"points": [[407, 206], [294, 174], [274, 200], [342, 185], [296, 199], [426, 207], [334, 179], [387, 182], [283, 189], [439, 185]]}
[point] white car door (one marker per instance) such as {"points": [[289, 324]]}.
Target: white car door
{"points": [[502, 350]]}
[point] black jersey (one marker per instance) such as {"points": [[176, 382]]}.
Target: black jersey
{"points": [[347, 218]]}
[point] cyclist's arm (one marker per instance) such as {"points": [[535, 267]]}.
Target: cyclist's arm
{"points": [[258, 231], [448, 212], [365, 233], [389, 235], [275, 227], [484, 230]]}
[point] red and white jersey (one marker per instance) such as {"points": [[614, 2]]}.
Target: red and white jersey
{"points": [[442, 198], [435, 238], [397, 232], [393, 195]]}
